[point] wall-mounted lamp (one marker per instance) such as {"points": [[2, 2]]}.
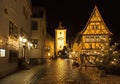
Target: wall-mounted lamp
{"points": [[23, 40], [30, 44]]}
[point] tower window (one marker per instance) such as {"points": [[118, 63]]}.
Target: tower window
{"points": [[34, 25]]}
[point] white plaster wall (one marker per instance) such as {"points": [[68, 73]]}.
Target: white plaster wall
{"points": [[39, 52], [15, 14]]}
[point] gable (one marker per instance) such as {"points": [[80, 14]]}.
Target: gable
{"points": [[95, 24]]}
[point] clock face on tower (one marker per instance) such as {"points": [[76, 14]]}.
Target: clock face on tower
{"points": [[60, 42]]}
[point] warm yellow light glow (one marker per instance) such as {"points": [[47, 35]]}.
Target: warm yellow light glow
{"points": [[13, 43], [61, 67], [101, 61], [2, 52], [48, 54], [1, 41], [115, 52], [24, 40], [113, 62], [30, 44], [20, 39], [60, 38], [95, 52]]}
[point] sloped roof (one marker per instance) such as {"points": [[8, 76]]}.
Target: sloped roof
{"points": [[95, 9]]}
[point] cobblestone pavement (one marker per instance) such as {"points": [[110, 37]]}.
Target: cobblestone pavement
{"points": [[61, 71], [95, 76]]}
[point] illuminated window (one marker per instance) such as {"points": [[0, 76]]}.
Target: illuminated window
{"points": [[35, 43], [2, 52], [95, 27]]}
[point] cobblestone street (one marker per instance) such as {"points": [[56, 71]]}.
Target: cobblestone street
{"points": [[61, 72], [95, 78]]}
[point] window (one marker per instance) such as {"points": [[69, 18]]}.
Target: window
{"points": [[2, 52], [13, 30], [10, 28], [95, 27], [34, 25], [35, 43]]}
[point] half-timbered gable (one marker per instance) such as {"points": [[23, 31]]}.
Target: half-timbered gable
{"points": [[95, 35]]}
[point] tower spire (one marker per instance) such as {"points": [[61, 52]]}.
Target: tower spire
{"points": [[60, 24]]}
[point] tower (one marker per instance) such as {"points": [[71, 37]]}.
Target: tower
{"points": [[60, 37]]}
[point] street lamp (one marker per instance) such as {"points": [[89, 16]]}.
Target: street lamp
{"points": [[30, 44]]}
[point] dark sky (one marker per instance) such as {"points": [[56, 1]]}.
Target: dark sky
{"points": [[74, 14]]}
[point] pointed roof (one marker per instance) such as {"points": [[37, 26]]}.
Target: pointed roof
{"points": [[60, 25], [95, 10]]}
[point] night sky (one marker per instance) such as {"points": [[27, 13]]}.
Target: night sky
{"points": [[74, 14]]}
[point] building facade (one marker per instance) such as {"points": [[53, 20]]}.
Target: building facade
{"points": [[38, 34], [49, 46], [15, 21], [95, 37], [60, 38]]}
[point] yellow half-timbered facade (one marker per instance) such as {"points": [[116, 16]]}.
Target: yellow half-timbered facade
{"points": [[95, 36]]}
